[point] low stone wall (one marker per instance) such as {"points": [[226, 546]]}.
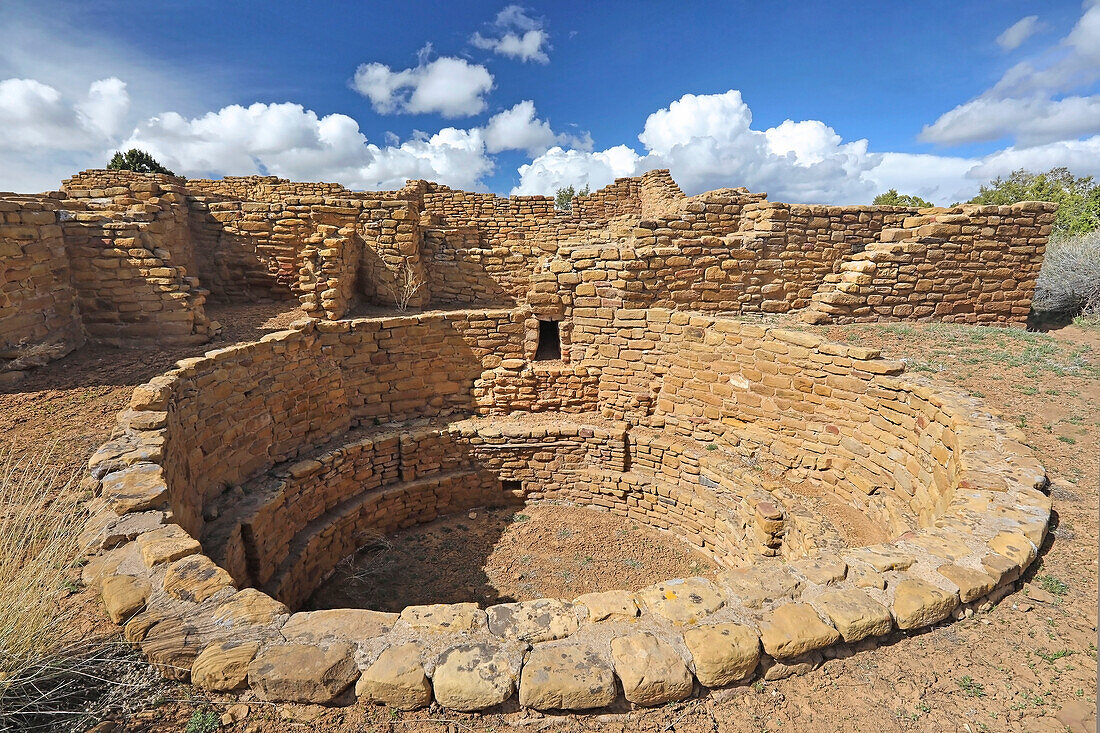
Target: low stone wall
{"points": [[700, 396], [971, 264]]}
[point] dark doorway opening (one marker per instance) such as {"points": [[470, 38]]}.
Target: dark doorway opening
{"points": [[549, 348], [510, 485]]}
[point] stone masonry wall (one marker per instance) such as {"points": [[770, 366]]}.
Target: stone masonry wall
{"points": [[145, 250], [130, 253], [39, 319], [971, 264], [699, 394]]}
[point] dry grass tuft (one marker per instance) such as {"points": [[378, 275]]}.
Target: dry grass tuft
{"points": [[43, 661]]}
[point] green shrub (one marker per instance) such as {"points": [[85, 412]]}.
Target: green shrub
{"points": [[203, 721], [893, 198], [136, 160], [1078, 199]]}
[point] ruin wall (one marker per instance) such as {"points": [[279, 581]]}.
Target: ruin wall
{"points": [[39, 319]]}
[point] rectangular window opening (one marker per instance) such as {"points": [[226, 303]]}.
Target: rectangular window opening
{"points": [[511, 485], [549, 347]]}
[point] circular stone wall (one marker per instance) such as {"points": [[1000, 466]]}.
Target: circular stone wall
{"points": [[238, 480]]}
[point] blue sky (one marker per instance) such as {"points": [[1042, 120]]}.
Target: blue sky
{"points": [[810, 101]]}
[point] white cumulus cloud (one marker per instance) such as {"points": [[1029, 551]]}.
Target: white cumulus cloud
{"points": [[516, 35], [1027, 103], [1030, 121], [1014, 36], [292, 142], [519, 128], [453, 87], [33, 114], [707, 142]]}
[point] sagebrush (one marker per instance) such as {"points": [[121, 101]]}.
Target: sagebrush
{"points": [[1069, 282]]}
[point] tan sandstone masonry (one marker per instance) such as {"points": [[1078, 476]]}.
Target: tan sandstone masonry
{"points": [[970, 264], [956, 489], [109, 265], [143, 252], [39, 319]]}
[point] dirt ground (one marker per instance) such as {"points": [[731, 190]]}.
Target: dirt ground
{"points": [[1029, 664], [503, 555]]}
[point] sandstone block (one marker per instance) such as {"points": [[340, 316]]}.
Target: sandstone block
{"points": [[167, 544], [445, 617], [651, 671], [343, 624], [544, 619], [972, 584], [683, 600], [136, 488], [794, 629], [855, 614], [473, 677], [396, 679], [170, 644], [824, 570], [223, 666], [303, 673], [919, 603], [723, 653], [124, 596], [195, 578], [1016, 547], [612, 604], [249, 606], [566, 678]]}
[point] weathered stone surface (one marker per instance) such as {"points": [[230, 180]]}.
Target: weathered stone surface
{"points": [[919, 603], [223, 666], [302, 672], [794, 629], [1016, 547], [972, 584], [167, 544], [824, 570], [855, 614], [612, 604], [1000, 568], [195, 578], [124, 596], [883, 558], [544, 619], [396, 679], [171, 644], [250, 606], [344, 624], [445, 617], [135, 489], [473, 677], [756, 586], [683, 600], [723, 653], [863, 575], [566, 677], [113, 530], [781, 669], [651, 671]]}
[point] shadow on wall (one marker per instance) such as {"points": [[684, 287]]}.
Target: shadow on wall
{"points": [[441, 563], [103, 365], [235, 264]]}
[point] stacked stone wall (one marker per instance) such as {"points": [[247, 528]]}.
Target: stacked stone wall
{"points": [[971, 264], [39, 319], [132, 263]]}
